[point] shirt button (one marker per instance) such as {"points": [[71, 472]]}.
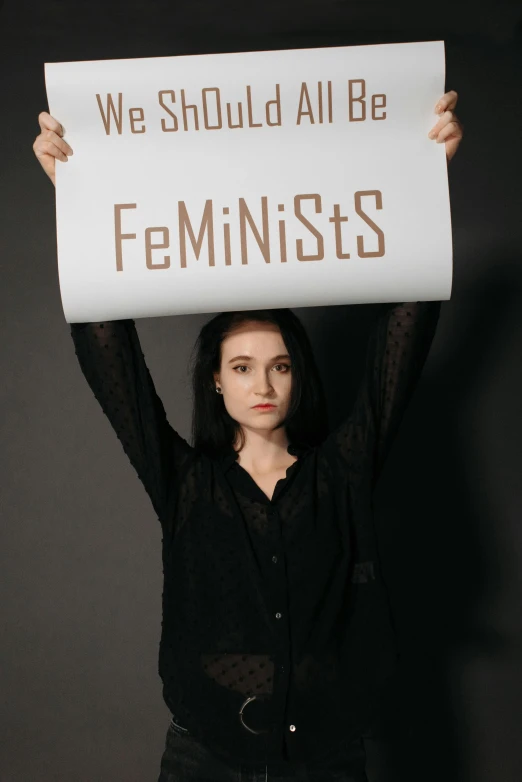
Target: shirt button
{"points": [[274, 559], [292, 728], [278, 615]]}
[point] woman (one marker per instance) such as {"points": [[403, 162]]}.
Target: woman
{"points": [[276, 636]]}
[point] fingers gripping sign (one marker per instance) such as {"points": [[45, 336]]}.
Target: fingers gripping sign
{"points": [[49, 145], [449, 129]]}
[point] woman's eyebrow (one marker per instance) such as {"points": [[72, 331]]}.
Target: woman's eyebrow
{"points": [[248, 358]]}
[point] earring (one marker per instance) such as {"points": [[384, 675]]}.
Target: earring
{"points": [[218, 390]]}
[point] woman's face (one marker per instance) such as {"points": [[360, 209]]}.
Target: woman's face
{"points": [[255, 369]]}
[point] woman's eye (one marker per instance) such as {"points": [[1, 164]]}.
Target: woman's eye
{"points": [[243, 366]]}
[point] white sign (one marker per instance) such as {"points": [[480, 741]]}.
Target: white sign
{"points": [[222, 182]]}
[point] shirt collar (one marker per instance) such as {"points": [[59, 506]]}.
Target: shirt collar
{"points": [[229, 455]]}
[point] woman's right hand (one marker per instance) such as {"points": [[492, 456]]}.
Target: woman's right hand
{"points": [[50, 145]]}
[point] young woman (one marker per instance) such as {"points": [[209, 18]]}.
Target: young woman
{"points": [[276, 635]]}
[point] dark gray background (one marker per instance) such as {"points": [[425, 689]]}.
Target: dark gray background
{"points": [[80, 543]]}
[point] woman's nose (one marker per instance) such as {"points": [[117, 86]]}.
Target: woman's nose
{"points": [[263, 385]]}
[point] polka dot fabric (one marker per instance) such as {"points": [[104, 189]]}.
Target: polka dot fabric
{"points": [[276, 635]]}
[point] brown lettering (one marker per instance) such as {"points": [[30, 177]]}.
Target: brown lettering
{"points": [[282, 235], [320, 101], [226, 239], [139, 118], [251, 122], [149, 247], [240, 116], [207, 223], [218, 108], [264, 243], [117, 117], [185, 107], [300, 113], [360, 244], [172, 94], [360, 99], [376, 105], [336, 219], [118, 234], [277, 102], [299, 242]]}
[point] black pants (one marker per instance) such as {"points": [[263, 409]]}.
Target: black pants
{"points": [[187, 760]]}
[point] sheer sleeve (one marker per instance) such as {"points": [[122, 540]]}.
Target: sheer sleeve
{"points": [[112, 362], [397, 350]]}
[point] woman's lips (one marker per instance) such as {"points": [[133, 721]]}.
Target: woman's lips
{"points": [[264, 407]]}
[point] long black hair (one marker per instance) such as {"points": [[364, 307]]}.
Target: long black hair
{"points": [[213, 429]]}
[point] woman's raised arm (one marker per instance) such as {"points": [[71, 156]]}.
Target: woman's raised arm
{"points": [[397, 350], [112, 362]]}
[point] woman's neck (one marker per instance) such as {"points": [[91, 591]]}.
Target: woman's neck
{"points": [[263, 456]]}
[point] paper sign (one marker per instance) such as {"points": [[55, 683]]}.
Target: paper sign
{"points": [[289, 178]]}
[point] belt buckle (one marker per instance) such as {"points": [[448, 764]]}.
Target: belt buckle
{"points": [[247, 701]]}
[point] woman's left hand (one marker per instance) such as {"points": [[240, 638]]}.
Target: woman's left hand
{"points": [[449, 128]]}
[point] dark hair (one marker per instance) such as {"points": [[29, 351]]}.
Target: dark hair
{"points": [[213, 429]]}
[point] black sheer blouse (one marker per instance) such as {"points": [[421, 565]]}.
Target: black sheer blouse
{"points": [[276, 633]]}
